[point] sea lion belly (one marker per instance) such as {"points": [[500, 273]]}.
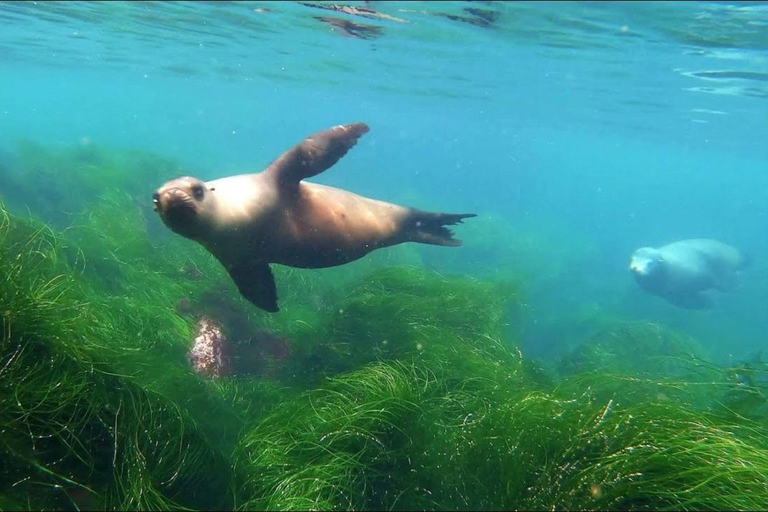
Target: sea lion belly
{"points": [[327, 226]]}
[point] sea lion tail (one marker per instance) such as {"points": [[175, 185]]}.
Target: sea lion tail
{"points": [[429, 228]]}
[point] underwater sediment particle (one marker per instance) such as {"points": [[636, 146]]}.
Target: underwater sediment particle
{"points": [[210, 354]]}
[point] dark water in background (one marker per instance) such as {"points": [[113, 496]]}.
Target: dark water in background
{"points": [[586, 129]]}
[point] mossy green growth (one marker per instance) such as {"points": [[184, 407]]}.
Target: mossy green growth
{"points": [[638, 455], [389, 436], [746, 391], [328, 450], [468, 426]]}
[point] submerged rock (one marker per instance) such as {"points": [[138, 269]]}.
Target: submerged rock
{"points": [[215, 354], [210, 354]]}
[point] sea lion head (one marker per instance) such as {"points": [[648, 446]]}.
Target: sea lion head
{"points": [[647, 265], [185, 205]]}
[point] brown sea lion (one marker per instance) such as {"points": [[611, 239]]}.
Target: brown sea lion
{"points": [[251, 220]]}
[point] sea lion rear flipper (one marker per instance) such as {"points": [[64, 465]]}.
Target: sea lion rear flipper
{"points": [[315, 154], [256, 283], [429, 227]]}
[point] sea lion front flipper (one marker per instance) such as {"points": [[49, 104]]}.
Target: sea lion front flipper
{"points": [[256, 283], [315, 154]]}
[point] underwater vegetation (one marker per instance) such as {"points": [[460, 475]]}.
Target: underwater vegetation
{"points": [[385, 385], [76, 432], [634, 348], [411, 434]]}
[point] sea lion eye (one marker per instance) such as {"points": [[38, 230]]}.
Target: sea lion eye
{"points": [[156, 198], [198, 192]]}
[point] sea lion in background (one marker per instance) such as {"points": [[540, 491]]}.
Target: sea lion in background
{"points": [[688, 273], [251, 220]]}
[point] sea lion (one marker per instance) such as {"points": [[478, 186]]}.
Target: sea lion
{"points": [[688, 273], [249, 221]]}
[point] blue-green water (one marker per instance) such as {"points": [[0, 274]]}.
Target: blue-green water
{"points": [[584, 129], [577, 132]]}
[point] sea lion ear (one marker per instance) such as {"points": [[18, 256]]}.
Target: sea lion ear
{"points": [[315, 154], [256, 283]]}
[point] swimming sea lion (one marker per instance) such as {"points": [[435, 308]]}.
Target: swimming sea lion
{"points": [[251, 220], [688, 273]]}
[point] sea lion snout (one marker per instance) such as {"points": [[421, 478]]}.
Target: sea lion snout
{"points": [[172, 201], [643, 261], [637, 266], [178, 207], [688, 273]]}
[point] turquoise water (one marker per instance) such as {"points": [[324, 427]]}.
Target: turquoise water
{"points": [[586, 129]]}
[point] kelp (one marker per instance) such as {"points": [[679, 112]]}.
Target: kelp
{"points": [[98, 406], [468, 424]]}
